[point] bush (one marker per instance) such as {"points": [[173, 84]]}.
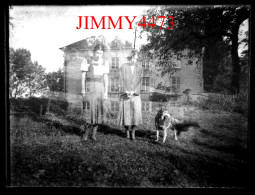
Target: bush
{"points": [[159, 97], [237, 103], [77, 119], [35, 105], [59, 107]]}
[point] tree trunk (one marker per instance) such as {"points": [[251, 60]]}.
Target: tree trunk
{"points": [[49, 101], [30, 88], [235, 80], [16, 91]]}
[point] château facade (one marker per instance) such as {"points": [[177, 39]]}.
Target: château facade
{"points": [[188, 75]]}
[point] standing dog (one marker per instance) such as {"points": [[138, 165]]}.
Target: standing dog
{"points": [[164, 120]]}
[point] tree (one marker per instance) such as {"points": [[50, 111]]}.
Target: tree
{"points": [[116, 43], [196, 27], [128, 44], [216, 66], [36, 80], [20, 63], [24, 75], [55, 81]]}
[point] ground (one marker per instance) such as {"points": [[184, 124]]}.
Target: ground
{"points": [[213, 155]]}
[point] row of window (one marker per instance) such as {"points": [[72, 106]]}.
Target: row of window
{"points": [[145, 63], [146, 106], [114, 84], [115, 64]]}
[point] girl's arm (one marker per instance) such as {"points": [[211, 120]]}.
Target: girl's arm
{"points": [[84, 69], [105, 77], [105, 86]]}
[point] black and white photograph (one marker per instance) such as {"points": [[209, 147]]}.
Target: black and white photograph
{"points": [[128, 96]]}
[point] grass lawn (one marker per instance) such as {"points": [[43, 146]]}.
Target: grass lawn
{"points": [[214, 155]]}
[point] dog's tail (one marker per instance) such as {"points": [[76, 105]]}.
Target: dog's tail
{"points": [[184, 124]]}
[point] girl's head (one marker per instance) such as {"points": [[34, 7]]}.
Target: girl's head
{"points": [[98, 51]]}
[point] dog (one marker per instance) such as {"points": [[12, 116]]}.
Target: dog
{"points": [[164, 121]]}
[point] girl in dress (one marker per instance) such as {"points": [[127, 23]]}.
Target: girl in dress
{"points": [[95, 75], [130, 101]]}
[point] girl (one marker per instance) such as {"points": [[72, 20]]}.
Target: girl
{"points": [[95, 76], [130, 101]]}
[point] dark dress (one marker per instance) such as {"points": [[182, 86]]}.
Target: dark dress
{"points": [[95, 96]]}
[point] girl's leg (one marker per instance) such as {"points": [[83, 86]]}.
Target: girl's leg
{"points": [[133, 132], [94, 132], [85, 132], [127, 131]]}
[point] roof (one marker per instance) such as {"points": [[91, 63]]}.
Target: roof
{"points": [[78, 45], [88, 44]]}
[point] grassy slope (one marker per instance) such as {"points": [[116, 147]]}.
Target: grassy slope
{"points": [[213, 155]]}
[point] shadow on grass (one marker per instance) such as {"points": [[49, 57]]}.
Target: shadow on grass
{"points": [[203, 170], [105, 129], [167, 166], [70, 129], [116, 131], [232, 148], [45, 166], [207, 133]]}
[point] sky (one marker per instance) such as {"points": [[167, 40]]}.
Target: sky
{"points": [[44, 29]]}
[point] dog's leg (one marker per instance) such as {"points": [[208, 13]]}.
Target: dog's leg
{"points": [[165, 134], [157, 134], [85, 132], [175, 134]]}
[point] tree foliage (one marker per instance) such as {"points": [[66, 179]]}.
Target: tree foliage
{"points": [[25, 77], [118, 44], [55, 81], [36, 78], [20, 61], [195, 27]]}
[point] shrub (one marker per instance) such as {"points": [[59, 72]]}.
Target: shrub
{"points": [[59, 107], [35, 105], [77, 119], [159, 97], [237, 103]]}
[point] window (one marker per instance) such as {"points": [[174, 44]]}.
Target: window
{"points": [[176, 62], [114, 106], [146, 106], [86, 105], [87, 85], [114, 84], [145, 84], [176, 84], [145, 64], [115, 63]]}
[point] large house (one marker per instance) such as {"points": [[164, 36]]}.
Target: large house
{"points": [[188, 75]]}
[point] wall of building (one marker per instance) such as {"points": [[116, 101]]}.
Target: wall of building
{"points": [[190, 75], [73, 79]]}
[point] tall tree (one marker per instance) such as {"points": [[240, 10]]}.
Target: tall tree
{"points": [[20, 63], [128, 44], [55, 83], [36, 79], [216, 56], [24, 75], [116, 43], [195, 27]]}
